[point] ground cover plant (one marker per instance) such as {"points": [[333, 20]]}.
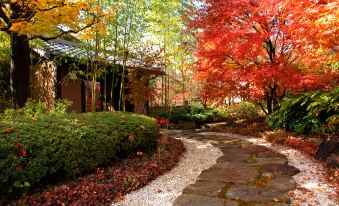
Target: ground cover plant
{"points": [[37, 150]]}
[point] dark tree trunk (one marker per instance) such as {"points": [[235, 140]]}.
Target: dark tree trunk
{"points": [[271, 99], [269, 103], [20, 61]]}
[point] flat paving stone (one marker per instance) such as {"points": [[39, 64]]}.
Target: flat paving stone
{"points": [[256, 194], [279, 169], [282, 183], [235, 157], [234, 165], [197, 200], [205, 188], [277, 160], [230, 175], [268, 154], [236, 150]]}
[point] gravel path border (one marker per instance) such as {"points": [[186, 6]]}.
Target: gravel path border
{"points": [[166, 188]]}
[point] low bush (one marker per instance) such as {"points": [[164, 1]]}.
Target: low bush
{"points": [[309, 112], [196, 113], [35, 108], [37, 150], [242, 110]]}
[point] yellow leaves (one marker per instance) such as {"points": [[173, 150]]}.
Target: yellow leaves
{"points": [[51, 15], [22, 28]]}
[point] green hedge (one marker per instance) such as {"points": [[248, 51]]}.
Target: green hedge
{"points": [[67, 146], [309, 112]]}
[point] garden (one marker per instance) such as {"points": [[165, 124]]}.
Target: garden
{"points": [[178, 102]]}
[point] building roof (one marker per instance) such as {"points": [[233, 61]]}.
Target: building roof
{"points": [[60, 47]]}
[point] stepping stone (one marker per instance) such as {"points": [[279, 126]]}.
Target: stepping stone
{"points": [[236, 150], [256, 194], [240, 174], [256, 148], [282, 183], [277, 160], [268, 154], [234, 165], [205, 188], [279, 169], [197, 200], [232, 144], [236, 157]]}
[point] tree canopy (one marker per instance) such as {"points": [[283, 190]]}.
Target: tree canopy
{"points": [[259, 49]]}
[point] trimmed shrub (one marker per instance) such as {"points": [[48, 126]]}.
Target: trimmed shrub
{"points": [[309, 112], [36, 150]]}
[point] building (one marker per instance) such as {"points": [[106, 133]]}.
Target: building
{"points": [[61, 72]]}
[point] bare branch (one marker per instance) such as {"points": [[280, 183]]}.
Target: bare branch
{"points": [[62, 33], [51, 8]]}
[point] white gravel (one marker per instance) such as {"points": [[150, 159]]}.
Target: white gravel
{"points": [[165, 189], [312, 187]]}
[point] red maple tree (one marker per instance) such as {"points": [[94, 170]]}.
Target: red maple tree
{"points": [[264, 49]]}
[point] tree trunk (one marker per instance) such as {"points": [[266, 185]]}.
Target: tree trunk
{"points": [[20, 62]]}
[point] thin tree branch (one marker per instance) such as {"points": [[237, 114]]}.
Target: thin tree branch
{"points": [[62, 33]]}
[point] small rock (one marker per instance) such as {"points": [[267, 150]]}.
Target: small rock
{"points": [[333, 161]]}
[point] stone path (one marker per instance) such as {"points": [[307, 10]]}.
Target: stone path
{"points": [[246, 175]]}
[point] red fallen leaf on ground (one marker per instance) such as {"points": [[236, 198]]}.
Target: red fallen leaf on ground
{"points": [[8, 130], [19, 145], [120, 198], [23, 153], [131, 138], [302, 199]]}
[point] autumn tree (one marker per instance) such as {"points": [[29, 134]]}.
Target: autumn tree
{"points": [[264, 49], [25, 20]]}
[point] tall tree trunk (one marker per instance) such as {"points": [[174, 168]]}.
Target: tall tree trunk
{"points": [[270, 99], [19, 74]]}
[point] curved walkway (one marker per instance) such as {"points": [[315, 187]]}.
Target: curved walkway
{"points": [[246, 174], [223, 169]]}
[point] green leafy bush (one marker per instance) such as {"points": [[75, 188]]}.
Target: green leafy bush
{"points": [[310, 112], [35, 108], [196, 113], [242, 110], [36, 150]]}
